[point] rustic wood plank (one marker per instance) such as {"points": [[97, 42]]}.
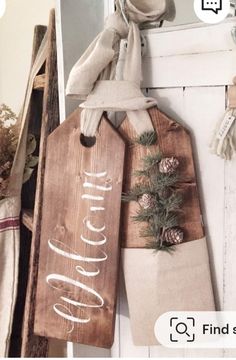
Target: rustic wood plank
{"points": [[80, 235], [27, 218], [180, 40], [28, 193], [32, 345], [115, 350], [189, 70], [177, 57], [39, 82], [173, 140]]}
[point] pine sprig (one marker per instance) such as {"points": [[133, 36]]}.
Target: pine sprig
{"points": [[144, 214], [135, 192], [171, 203], [151, 160], [159, 203], [147, 139], [162, 181]]}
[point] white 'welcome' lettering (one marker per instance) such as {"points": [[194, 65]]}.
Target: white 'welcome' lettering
{"points": [[64, 250]]}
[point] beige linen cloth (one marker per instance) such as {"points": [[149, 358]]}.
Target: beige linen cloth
{"points": [[9, 221], [88, 78], [159, 282], [155, 283]]}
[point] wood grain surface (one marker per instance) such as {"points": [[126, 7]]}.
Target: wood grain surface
{"points": [[79, 251], [27, 197], [32, 345], [173, 140], [39, 82]]}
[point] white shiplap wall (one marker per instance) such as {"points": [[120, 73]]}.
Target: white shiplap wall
{"points": [[187, 68]]}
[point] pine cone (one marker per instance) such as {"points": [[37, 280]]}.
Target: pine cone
{"points": [[173, 236], [146, 201], [168, 165]]}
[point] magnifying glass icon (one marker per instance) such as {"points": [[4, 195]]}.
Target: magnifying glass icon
{"points": [[181, 328]]}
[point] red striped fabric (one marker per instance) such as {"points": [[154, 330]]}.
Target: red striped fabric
{"points": [[9, 223]]}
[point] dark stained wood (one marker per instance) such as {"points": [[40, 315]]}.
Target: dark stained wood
{"points": [[173, 140], [39, 82], [27, 218], [28, 195], [66, 211], [32, 345], [39, 32]]}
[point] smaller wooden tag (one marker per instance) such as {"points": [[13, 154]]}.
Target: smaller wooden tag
{"points": [[173, 140], [79, 250]]}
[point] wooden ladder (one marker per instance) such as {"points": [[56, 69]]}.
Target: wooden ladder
{"points": [[43, 119]]}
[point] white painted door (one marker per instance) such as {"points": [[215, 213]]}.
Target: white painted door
{"points": [[187, 68]]}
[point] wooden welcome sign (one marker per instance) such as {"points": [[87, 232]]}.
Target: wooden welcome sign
{"points": [[79, 249]]}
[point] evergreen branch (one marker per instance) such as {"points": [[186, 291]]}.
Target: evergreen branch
{"points": [[136, 192], [170, 221], [141, 173], [158, 210], [161, 181], [147, 139], [172, 203], [151, 160], [143, 215]]}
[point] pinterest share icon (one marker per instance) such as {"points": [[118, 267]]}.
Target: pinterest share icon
{"points": [[212, 11]]}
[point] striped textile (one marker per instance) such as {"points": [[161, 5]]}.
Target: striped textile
{"points": [[9, 257], [9, 223]]}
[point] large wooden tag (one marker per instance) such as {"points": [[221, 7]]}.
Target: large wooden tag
{"points": [[173, 140], [79, 250]]}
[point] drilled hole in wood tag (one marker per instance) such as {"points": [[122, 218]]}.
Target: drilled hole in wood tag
{"points": [[87, 141]]}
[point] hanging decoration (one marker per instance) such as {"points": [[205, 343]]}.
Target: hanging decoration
{"points": [[79, 250], [223, 142], [162, 212]]}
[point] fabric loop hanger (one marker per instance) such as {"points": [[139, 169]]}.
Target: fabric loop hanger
{"points": [[93, 77]]}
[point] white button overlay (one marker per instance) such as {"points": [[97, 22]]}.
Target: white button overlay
{"points": [[212, 11], [197, 329]]}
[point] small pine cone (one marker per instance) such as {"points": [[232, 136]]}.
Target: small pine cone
{"points": [[168, 165], [146, 201], [173, 236]]}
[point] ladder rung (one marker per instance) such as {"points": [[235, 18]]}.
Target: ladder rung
{"points": [[27, 218], [39, 82]]}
